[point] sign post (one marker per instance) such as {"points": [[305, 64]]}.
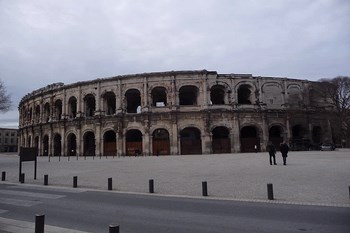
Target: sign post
{"points": [[27, 154]]}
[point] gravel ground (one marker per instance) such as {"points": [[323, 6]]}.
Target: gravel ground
{"points": [[310, 177]]}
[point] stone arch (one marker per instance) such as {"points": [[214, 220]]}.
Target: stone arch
{"points": [[57, 145], [37, 113], [109, 103], [159, 96], [190, 141], [188, 95], [133, 141], [276, 135], [47, 112], [133, 100], [58, 109], [245, 94], [249, 136], [89, 143], [109, 143], [72, 107], [294, 95], [272, 94], [71, 144], [161, 142], [221, 140], [217, 95], [89, 105]]}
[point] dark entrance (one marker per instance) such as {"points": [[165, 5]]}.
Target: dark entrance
{"points": [[276, 136], [249, 138], [190, 141], [109, 143], [316, 134], [71, 145], [46, 145], [89, 144], [221, 140], [161, 142], [133, 142], [57, 145]]}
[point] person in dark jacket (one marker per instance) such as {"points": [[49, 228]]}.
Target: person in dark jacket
{"points": [[284, 148], [272, 152]]}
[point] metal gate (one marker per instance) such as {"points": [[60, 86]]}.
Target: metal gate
{"points": [[221, 145], [191, 146], [248, 144], [133, 148], [161, 147], [110, 149]]}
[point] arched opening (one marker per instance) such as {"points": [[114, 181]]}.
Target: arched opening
{"points": [[57, 145], [29, 141], [133, 142], [244, 94], [159, 98], [217, 95], [89, 144], [47, 112], [249, 139], [36, 142], [190, 141], [90, 105], [300, 140], [188, 95], [72, 107], [71, 145], [133, 101], [109, 143], [161, 142], [46, 145], [58, 109], [221, 140], [37, 113], [316, 135], [276, 136], [109, 103], [30, 114]]}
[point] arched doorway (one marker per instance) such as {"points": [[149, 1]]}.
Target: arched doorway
{"points": [[71, 145], [217, 95], [221, 140], [316, 135], [36, 142], [57, 145], [190, 141], [46, 145], [249, 139], [161, 142], [133, 142], [89, 144], [133, 100], [109, 143], [276, 135]]}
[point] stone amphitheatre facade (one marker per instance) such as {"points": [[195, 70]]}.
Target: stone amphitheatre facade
{"points": [[173, 113]]}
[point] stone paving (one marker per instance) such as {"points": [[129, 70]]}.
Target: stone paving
{"points": [[310, 177]]}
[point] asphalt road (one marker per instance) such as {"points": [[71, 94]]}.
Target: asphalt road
{"points": [[94, 211]]}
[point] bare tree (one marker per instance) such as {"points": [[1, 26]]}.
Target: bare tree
{"points": [[336, 91], [5, 101]]}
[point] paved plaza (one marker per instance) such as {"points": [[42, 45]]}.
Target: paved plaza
{"points": [[310, 177]]}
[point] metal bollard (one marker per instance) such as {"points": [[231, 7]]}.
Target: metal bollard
{"points": [[22, 178], [39, 223], [46, 179], [3, 176], [269, 191], [151, 186], [110, 184], [204, 188], [113, 228], [75, 181]]}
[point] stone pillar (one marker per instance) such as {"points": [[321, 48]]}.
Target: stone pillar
{"points": [[265, 133], [206, 143], [235, 129], [146, 142], [80, 103], [119, 98], [63, 142], [98, 139], [79, 142], [205, 94]]}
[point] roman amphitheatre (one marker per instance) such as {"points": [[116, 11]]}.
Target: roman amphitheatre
{"points": [[173, 113]]}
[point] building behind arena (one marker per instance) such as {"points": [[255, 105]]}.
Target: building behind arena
{"points": [[171, 113]]}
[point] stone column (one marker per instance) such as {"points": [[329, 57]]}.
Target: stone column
{"points": [[237, 143], [265, 133], [80, 103], [79, 143], [63, 142], [175, 138], [98, 139]]}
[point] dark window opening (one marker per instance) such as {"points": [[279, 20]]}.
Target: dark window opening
{"points": [[46, 145], [161, 142], [58, 109], [159, 98], [110, 103], [133, 142], [188, 95], [244, 94], [133, 101], [71, 145], [217, 95], [89, 144], [190, 140], [57, 145], [275, 136], [90, 105], [47, 112], [72, 107], [109, 143], [221, 140], [250, 140], [37, 113]]}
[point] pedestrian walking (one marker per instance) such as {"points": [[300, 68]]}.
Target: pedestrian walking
{"points": [[284, 148], [255, 148], [272, 153]]}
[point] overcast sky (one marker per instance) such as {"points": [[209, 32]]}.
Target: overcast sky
{"points": [[47, 41]]}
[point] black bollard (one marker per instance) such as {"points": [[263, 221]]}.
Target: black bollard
{"points": [[22, 178], [269, 191], [46, 179], [113, 228], [151, 186], [39, 223], [75, 181], [109, 183], [3, 176], [204, 188]]}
